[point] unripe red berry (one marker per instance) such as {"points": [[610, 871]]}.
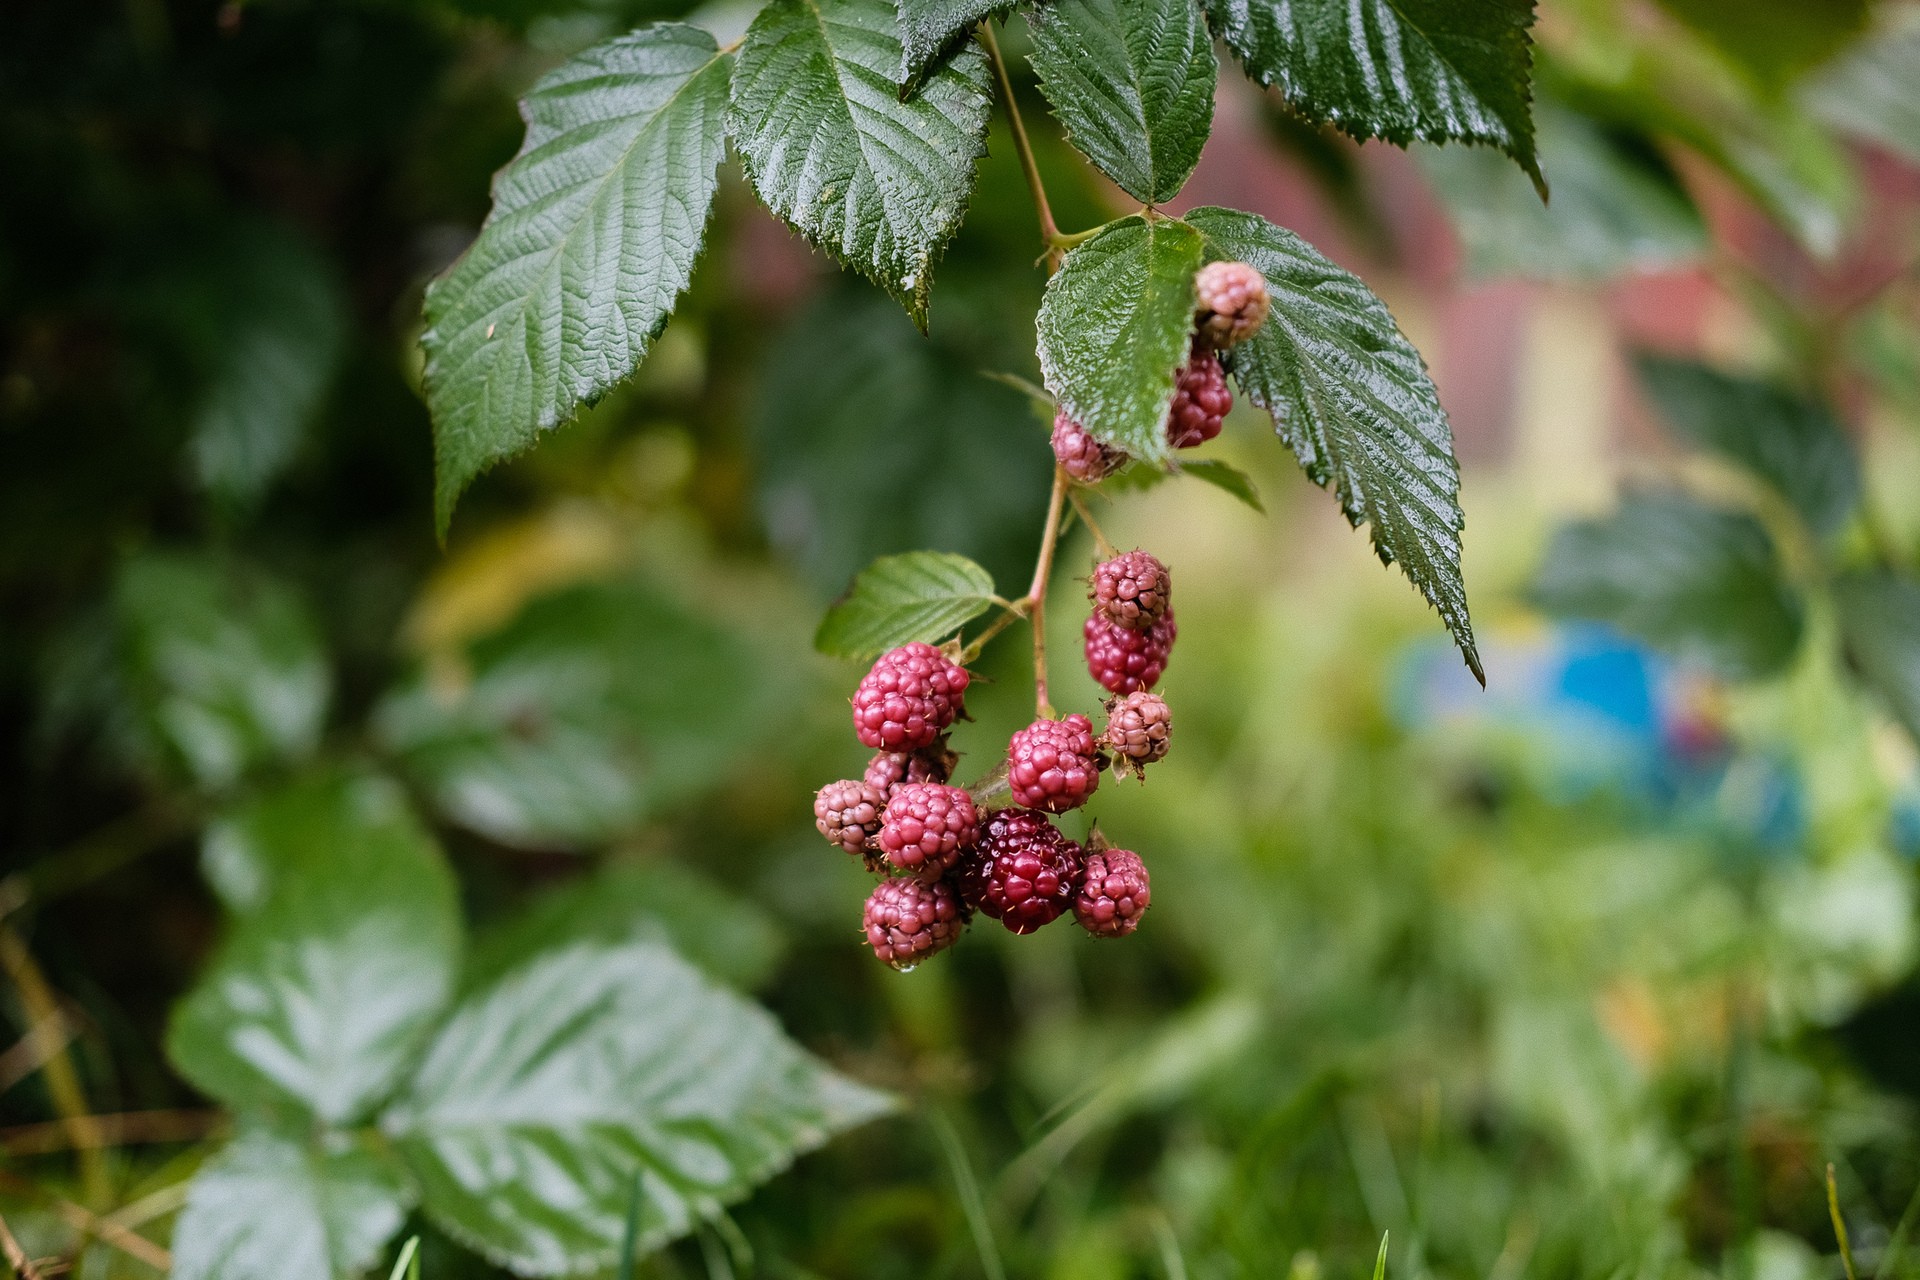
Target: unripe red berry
{"points": [[1053, 765], [1139, 727], [1200, 400], [848, 813], [888, 769], [1231, 302], [1132, 590], [1080, 455], [908, 698], [1024, 873], [907, 921], [1126, 661], [924, 828], [1114, 893]]}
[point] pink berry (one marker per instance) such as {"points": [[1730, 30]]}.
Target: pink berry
{"points": [[907, 921], [1053, 765], [908, 698], [1126, 661], [1231, 302], [1113, 895], [924, 828]]}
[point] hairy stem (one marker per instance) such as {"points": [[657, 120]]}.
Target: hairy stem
{"points": [[1037, 593], [1049, 230]]}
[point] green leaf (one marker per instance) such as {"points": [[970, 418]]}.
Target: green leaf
{"points": [[1352, 399], [929, 28], [222, 668], [1114, 327], [549, 1088], [1869, 92], [1792, 443], [850, 377], [1694, 579], [274, 1207], [1880, 620], [593, 235], [324, 991], [1432, 70], [879, 183], [727, 936], [1774, 40], [1225, 477], [270, 336], [1132, 81], [1617, 206], [921, 595], [593, 709]]}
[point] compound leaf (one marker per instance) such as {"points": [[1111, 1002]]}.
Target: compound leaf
{"points": [[921, 595], [1676, 573], [1352, 399], [879, 183], [1432, 70], [274, 1207], [327, 987], [1114, 328], [593, 235], [549, 1088], [1132, 81]]}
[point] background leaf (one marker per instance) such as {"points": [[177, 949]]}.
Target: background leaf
{"points": [[929, 28], [1435, 70], [1687, 577], [1792, 443], [879, 183], [1114, 327], [593, 235], [592, 709], [1773, 40], [1617, 205], [1868, 93], [1352, 399], [1880, 620], [324, 990], [276, 1207], [547, 1090], [1132, 81], [921, 595], [221, 667], [1227, 478], [729, 937]]}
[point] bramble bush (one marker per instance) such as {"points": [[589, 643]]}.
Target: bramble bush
{"points": [[1377, 976]]}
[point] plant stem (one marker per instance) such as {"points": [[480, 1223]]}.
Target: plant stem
{"points": [[1037, 593], [1013, 611], [23, 1268], [1107, 551], [42, 1008], [1049, 231]]}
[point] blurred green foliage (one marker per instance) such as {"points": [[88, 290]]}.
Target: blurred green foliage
{"points": [[271, 756]]}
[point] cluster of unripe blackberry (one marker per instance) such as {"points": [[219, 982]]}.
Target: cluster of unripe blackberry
{"points": [[945, 851], [949, 851]]}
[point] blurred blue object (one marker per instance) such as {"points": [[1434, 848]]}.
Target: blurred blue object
{"points": [[1578, 711]]}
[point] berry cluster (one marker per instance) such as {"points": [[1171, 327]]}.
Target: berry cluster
{"points": [[1230, 304], [943, 852]]}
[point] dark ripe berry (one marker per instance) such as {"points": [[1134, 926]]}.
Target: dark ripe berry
{"points": [[907, 921], [907, 699], [1133, 590], [924, 828], [1231, 302], [1200, 400], [1139, 727], [848, 813], [1113, 895], [1126, 661], [1024, 872], [1080, 455], [1053, 765], [888, 769]]}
